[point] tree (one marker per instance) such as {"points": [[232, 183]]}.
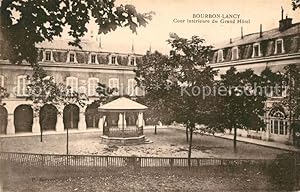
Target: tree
{"points": [[43, 90], [177, 81], [3, 94], [292, 99], [156, 71], [295, 4], [243, 101], [25, 23]]}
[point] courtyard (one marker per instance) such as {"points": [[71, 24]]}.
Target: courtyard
{"points": [[169, 142]]}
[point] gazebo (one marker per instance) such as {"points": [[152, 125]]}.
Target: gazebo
{"points": [[122, 121]]}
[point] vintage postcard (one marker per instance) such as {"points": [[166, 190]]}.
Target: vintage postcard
{"points": [[149, 95]]}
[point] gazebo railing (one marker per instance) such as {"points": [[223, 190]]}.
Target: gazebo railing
{"points": [[129, 131]]}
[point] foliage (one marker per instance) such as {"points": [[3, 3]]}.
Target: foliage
{"points": [[105, 94], [295, 4], [3, 94], [242, 105], [292, 99], [42, 89], [170, 82], [25, 23]]}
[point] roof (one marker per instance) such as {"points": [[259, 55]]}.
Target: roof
{"points": [[255, 37], [122, 104], [87, 45]]}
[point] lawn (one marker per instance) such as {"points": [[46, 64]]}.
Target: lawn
{"points": [[25, 179], [167, 143]]}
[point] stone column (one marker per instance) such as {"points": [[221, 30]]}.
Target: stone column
{"points": [[101, 122], [140, 119], [10, 125], [36, 128], [59, 124], [82, 123]]}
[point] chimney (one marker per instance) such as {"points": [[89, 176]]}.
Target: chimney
{"points": [[260, 31], [284, 23], [230, 40], [242, 35]]}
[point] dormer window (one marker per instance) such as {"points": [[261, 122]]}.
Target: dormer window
{"points": [[93, 58], [113, 60], [235, 53], [279, 48], [256, 50], [48, 56], [220, 57], [72, 57], [132, 61]]}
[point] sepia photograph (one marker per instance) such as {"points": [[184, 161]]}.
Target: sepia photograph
{"points": [[149, 95]]}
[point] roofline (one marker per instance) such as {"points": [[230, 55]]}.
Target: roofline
{"points": [[214, 48]]}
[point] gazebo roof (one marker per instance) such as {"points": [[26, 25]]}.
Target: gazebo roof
{"points": [[122, 104]]}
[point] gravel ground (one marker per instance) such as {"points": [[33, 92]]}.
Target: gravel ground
{"points": [[167, 143]]}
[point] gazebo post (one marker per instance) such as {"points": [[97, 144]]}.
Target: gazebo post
{"points": [[123, 124]]}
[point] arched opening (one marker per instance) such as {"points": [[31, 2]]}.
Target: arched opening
{"points": [[48, 117], [92, 116], [278, 122], [3, 119], [23, 118], [131, 118], [71, 116]]}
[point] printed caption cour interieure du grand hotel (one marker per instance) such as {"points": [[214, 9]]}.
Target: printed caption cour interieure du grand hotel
{"points": [[214, 18]]}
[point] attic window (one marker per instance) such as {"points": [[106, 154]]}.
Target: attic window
{"points": [[256, 50], [132, 61], [113, 60], [47, 55], [235, 53], [279, 46], [72, 57], [93, 58], [220, 57]]}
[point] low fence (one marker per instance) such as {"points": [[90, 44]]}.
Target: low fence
{"points": [[83, 161]]}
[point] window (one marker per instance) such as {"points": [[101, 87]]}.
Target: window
{"points": [[1, 80], [72, 57], [132, 87], [73, 83], [22, 85], [278, 123], [93, 59], [92, 85], [48, 56], [256, 50], [235, 53], [220, 57], [279, 46], [113, 60], [114, 83], [275, 127], [132, 61]]}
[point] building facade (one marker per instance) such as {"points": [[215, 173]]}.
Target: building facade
{"points": [[81, 69], [274, 49]]}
